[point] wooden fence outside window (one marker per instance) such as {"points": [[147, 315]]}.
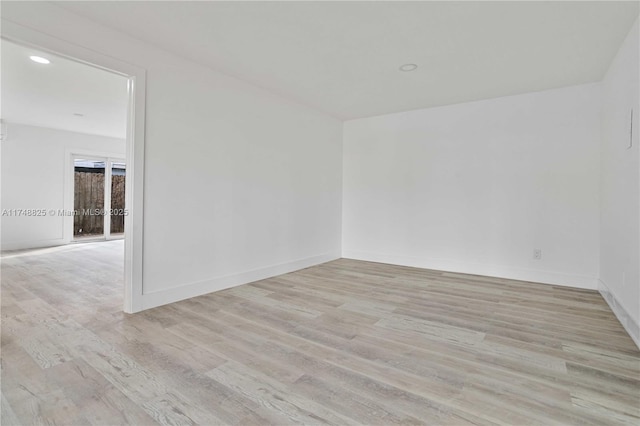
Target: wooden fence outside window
{"points": [[89, 196]]}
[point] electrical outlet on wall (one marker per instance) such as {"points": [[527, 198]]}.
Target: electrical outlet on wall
{"points": [[537, 254]]}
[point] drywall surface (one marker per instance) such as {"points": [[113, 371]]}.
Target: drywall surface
{"points": [[240, 183], [620, 186], [34, 177], [477, 187]]}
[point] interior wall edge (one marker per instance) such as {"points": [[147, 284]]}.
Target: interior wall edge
{"points": [[631, 327], [498, 271], [199, 288]]}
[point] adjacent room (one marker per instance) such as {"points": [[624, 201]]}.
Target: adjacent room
{"points": [[370, 213]]}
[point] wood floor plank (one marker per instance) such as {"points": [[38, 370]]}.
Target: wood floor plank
{"points": [[345, 342], [99, 401], [351, 404], [7, 416], [274, 396]]}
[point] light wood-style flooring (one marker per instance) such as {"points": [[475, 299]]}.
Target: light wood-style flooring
{"points": [[346, 342]]}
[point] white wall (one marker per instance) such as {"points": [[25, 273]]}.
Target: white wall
{"points": [[476, 187], [620, 187], [33, 177], [240, 184]]}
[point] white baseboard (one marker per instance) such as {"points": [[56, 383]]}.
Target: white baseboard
{"points": [[187, 291], [22, 245], [632, 328], [522, 274]]}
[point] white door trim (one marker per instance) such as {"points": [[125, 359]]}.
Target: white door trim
{"points": [[134, 186]]}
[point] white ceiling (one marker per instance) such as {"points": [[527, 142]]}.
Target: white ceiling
{"points": [[343, 57], [50, 95]]}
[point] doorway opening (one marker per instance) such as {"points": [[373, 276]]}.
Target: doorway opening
{"points": [[118, 210]]}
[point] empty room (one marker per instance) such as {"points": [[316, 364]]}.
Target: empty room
{"points": [[363, 213]]}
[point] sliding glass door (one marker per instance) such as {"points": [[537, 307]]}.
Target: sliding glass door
{"points": [[98, 198]]}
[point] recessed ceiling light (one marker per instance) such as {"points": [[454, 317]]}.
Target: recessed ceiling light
{"points": [[408, 67], [40, 59]]}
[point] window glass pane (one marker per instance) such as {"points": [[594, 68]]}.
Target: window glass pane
{"points": [[118, 176], [88, 199]]}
